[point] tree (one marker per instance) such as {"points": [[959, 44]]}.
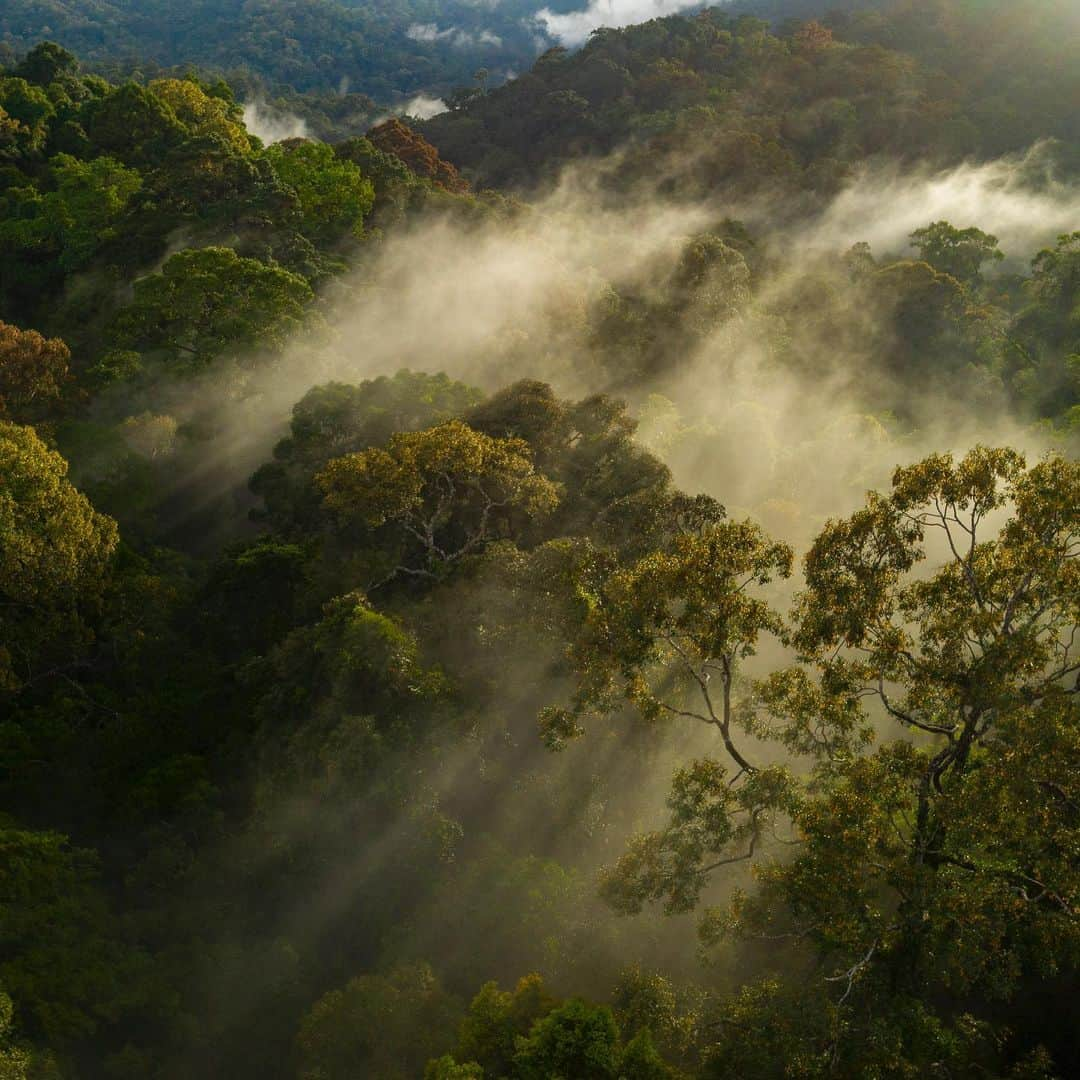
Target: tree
{"points": [[498, 1019], [207, 302], [338, 418], [133, 124], [70, 223], [812, 37], [666, 636], [15, 1061], [56, 957], [446, 1068], [671, 1013], [25, 113], [1045, 336], [529, 1035], [393, 137], [386, 1026], [612, 489], [711, 283], [800, 1028], [33, 371], [344, 695], [55, 553], [47, 63], [960, 253], [576, 1039], [931, 868], [203, 114], [384, 170], [253, 594], [922, 310], [334, 195], [441, 494], [642, 1061]]}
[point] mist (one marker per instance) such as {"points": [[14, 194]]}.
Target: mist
{"points": [[424, 107], [271, 125], [452, 35], [572, 28], [491, 303], [462, 575], [1019, 199]]}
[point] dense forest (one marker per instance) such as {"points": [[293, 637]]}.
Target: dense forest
{"points": [[583, 586], [717, 99], [383, 49]]}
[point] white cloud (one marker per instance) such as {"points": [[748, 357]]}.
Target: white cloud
{"points": [[424, 107], [574, 27], [272, 126], [425, 32], [452, 35], [1015, 198]]}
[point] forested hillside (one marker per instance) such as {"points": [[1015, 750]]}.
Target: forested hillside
{"points": [[585, 587], [385, 49], [719, 99]]}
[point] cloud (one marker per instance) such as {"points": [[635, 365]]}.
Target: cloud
{"points": [[790, 443], [424, 107], [426, 32], [272, 126], [574, 27], [1017, 199], [452, 35]]}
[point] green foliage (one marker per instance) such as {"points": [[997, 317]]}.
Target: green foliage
{"points": [[202, 115], [314, 45], [386, 1026], [355, 660], [334, 195], [56, 956], [336, 419], [299, 753], [528, 1035], [446, 1068], [691, 97], [25, 111], [813, 1039], [576, 1039], [102, 182], [498, 1019], [1046, 333], [253, 594], [15, 1062], [642, 1061], [444, 493], [958, 252], [133, 124], [55, 553], [71, 222], [906, 878], [47, 63], [210, 302], [655, 635], [33, 373], [671, 1014]]}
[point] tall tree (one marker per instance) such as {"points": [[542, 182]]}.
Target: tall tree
{"points": [[440, 494], [207, 302], [961, 253], [33, 371], [933, 863], [55, 552]]}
